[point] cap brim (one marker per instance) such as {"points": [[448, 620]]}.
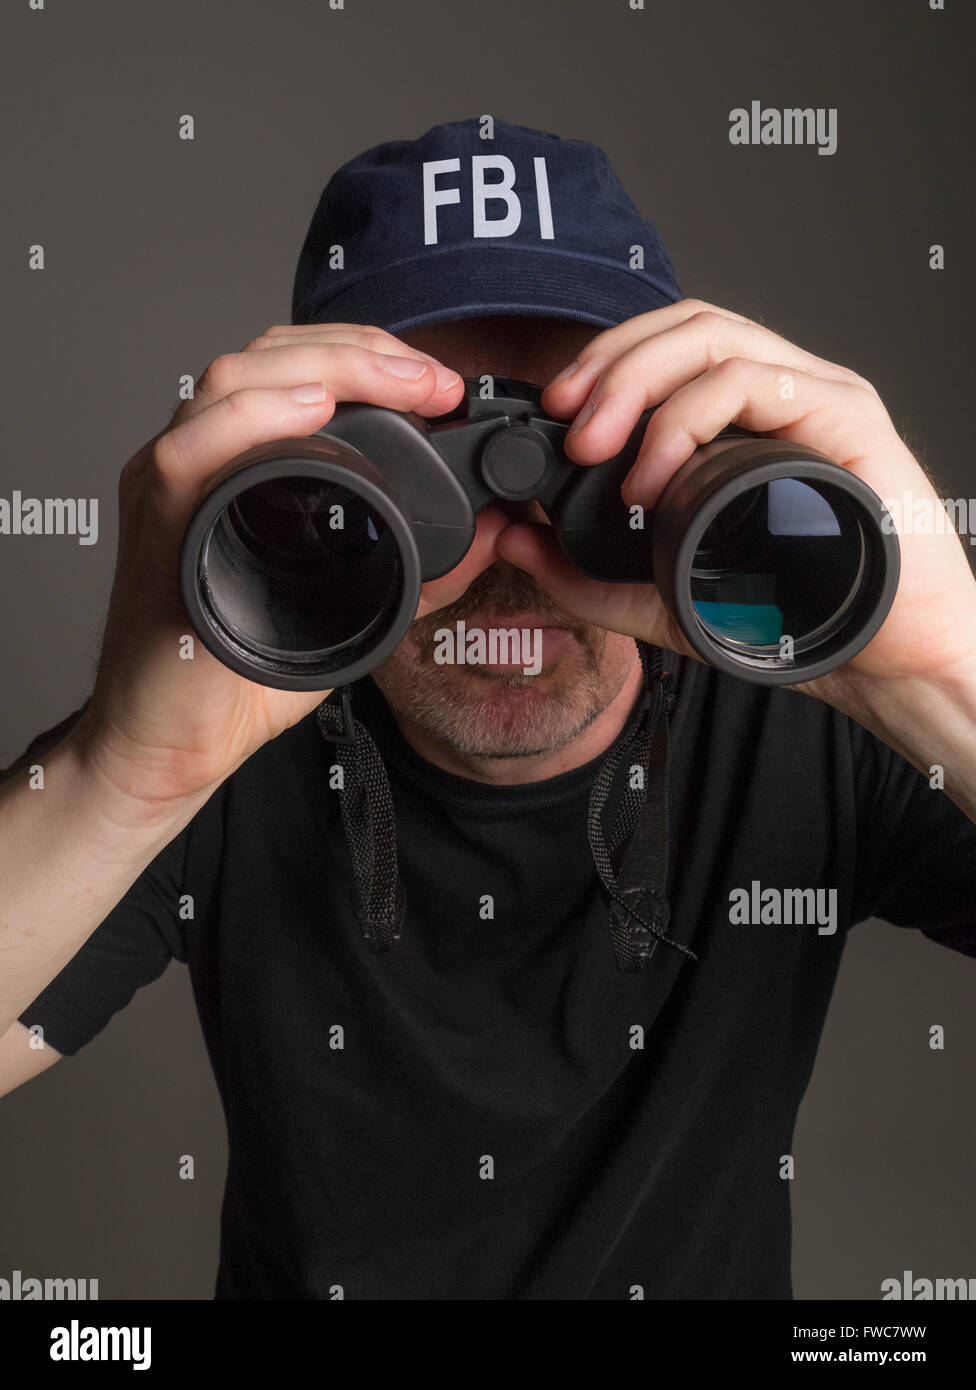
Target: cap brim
{"points": [[467, 283]]}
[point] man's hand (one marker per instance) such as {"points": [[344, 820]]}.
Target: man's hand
{"points": [[160, 729], [161, 733], [706, 368]]}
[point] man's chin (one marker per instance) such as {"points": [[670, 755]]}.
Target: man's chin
{"points": [[490, 712]]}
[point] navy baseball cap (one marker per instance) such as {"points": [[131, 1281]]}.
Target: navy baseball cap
{"points": [[455, 225]]}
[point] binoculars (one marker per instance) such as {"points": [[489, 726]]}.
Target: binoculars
{"points": [[302, 564]]}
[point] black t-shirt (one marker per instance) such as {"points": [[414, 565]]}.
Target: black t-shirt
{"points": [[493, 1110]]}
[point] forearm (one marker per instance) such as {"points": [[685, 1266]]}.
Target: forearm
{"points": [[69, 850], [930, 721]]}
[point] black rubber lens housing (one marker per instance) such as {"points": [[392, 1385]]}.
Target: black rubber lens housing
{"points": [[758, 542], [300, 570]]}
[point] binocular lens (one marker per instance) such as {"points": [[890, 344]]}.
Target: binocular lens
{"points": [[300, 568], [783, 559]]}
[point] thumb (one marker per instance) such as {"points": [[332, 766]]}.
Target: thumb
{"points": [[636, 610], [532, 546], [438, 593]]}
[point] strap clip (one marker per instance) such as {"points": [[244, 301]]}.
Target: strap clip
{"points": [[347, 734]]}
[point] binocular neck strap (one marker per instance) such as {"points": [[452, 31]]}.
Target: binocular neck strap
{"points": [[636, 883], [366, 805]]}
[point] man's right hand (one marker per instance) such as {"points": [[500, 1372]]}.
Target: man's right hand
{"points": [[161, 730]]}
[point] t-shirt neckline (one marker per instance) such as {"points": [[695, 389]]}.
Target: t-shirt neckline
{"points": [[371, 707]]}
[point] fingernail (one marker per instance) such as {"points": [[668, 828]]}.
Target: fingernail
{"points": [[567, 372], [582, 418], [410, 368], [446, 378], [309, 393]]}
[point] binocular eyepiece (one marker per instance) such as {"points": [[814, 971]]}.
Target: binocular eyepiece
{"points": [[302, 565]]}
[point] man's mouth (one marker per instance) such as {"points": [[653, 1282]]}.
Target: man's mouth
{"points": [[540, 640]]}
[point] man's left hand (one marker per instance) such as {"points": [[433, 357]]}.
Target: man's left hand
{"points": [[705, 368]]}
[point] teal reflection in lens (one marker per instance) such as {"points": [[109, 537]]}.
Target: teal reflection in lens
{"points": [[781, 558], [758, 623]]}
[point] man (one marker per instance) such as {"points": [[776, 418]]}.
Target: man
{"points": [[494, 1109]]}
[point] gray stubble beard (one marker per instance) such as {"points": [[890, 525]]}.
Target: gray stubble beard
{"points": [[471, 711]]}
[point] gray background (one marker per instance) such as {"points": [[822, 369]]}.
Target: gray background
{"points": [[162, 254]]}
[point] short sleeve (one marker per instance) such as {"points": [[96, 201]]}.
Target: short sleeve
{"points": [[131, 948], [916, 850]]}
